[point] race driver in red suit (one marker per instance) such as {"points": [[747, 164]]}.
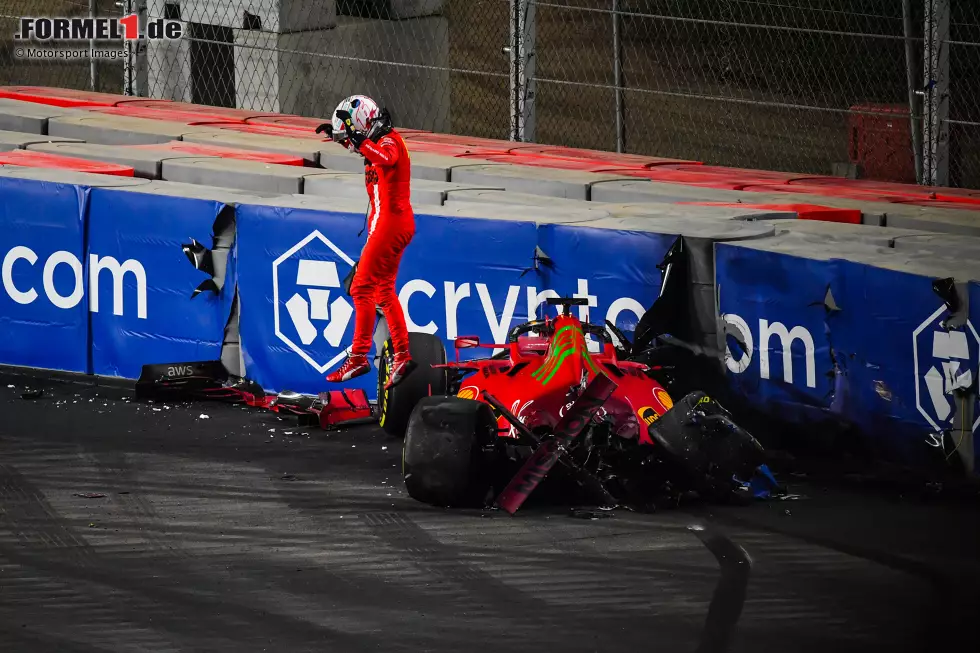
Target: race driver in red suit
{"points": [[362, 127]]}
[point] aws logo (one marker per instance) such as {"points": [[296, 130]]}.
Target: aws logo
{"points": [[648, 415]]}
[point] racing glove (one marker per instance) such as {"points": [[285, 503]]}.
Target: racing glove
{"points": [[325, 128], [356, 137]]}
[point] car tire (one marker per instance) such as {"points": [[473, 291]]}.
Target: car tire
{"points": [[445, 459], [395, 405], [699, 439]]}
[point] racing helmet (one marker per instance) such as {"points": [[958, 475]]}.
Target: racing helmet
{"points": [[362, 110]]}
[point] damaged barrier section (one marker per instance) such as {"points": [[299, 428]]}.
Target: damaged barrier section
{"points": [[855, 336], [877, 353], [148, 305]]}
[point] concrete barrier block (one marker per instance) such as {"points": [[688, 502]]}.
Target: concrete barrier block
{"points": [[501, 196], [119, 130], [666, 209], [350, 185], [70, 177], [147, 163], [306, 148], [336, 185], [337, 158], [314, 202], [948, 221], [940, 245], [627, 191], [29, 117], [19, 140], [278, 16], [197, 191], [570, 184], [518, 213], [879, 236], [232, 173]]}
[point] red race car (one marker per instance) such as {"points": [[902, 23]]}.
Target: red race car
{"points": [[487, 431]]}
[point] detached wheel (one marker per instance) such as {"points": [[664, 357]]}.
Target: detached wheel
{"points": [[395, 405], [444, 460]]}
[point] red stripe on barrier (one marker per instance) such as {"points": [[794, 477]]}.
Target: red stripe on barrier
{"points": [[554, 163], [62, 97], [31, 159], [287, 122], [609, 158], [222, 151], [204, 111], [164, 114], [803, 211], [443, 149], [266, 130]]}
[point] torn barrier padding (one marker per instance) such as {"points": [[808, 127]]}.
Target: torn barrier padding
{"points": [[904, 374], [43, 308], [296, 319], [146, 311], [833, 344]]}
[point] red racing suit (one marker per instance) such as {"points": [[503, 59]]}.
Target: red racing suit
{"points": [[391, 226]]}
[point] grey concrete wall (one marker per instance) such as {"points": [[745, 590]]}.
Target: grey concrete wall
{"points": [[339, 63]]}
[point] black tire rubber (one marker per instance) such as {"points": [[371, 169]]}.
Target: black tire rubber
{"points": [[698, 437], [395, 406], [444, 458]]}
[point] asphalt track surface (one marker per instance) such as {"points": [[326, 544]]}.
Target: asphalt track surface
{"points": [[242, 532]]}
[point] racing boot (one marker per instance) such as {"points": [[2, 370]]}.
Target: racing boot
{"points": [[353, 367], [401, 366]]}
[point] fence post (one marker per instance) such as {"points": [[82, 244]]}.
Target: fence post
{"points": [[914, 108], [523, 34], [128, 63], [936, 119], [92, 72], [618, 77]]}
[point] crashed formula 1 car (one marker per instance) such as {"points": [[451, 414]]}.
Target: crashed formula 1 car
{"points": [[493, 428], [625, 424]]}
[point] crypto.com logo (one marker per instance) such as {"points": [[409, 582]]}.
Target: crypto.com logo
{"points": [[99, 29], [943, 363], [302, 285]]}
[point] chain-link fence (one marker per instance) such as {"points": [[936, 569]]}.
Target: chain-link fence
{"points": [[85, 74], [811, 86]]}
